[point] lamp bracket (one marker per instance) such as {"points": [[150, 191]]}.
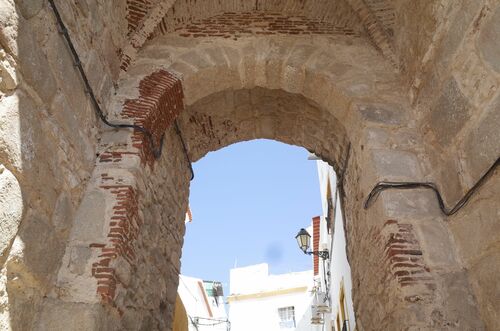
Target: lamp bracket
{"points": [[322, 254]]}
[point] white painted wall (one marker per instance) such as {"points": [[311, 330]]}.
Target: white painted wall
{"points": [[196, 307], [339, 266], [261, 314]]}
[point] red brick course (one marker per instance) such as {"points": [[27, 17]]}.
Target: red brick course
{"points": [[136, 11], [235, 25], [404, 256], [160, 101], [123, 231]]}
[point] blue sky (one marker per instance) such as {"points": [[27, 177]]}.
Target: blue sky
{"points": [[249, 200]]}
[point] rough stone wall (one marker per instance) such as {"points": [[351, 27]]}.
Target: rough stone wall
{"points": [[400, 249], [127, 257], [232, 116], [47, 140], [148, 285], [111, 216], [455, 87], [287, 89], [476, 233], [337, 13], [235, 25]]}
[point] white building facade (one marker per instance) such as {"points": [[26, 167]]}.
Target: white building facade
{"points": [[204, 304], [337, 283], [259, 301]]}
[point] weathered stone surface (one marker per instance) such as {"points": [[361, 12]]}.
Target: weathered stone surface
{"points": [[449, 114], [463, 305], [8, 73], [489, 40], [69, 316], [11, 208], [30, 8], [484, 278], [10, 135], [397, 165], [43, 256], [477, 230], [384, 114], [482, 146], [63, 214], [341, 92], [436, 240], [92, 207], [22, 134], [33, 63], [418, 204], [9, 28]]}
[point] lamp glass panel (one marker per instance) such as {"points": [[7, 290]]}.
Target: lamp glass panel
{"points": [[303, 239]]}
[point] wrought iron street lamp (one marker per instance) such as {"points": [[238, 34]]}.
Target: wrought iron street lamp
{"points": [[304, 241]]}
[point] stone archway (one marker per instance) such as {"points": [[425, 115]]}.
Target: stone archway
{"points": [[95, 195], [338, 99]]}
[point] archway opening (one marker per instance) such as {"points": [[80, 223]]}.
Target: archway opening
{"points": [[248, 201]]}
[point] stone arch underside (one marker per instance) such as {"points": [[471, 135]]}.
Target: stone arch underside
{"points": [[149, 19], [231, 116], [121, 265]]}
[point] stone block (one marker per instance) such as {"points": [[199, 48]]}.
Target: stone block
{"points": [[377, 138], [449, 113], [9, 19], [196, 60], [79, 260], [216, 55], [436, 241], [8, 75], [90, 218], [489, 41], [475, 228], [58, 315], [11, 208], [449, 183], [62, 216], [451, 41], [382, 113], [484, 278], [68, 79], [29, 8], [33, 64], [248, 66], [95, 71], [461, 305], [410, 205], [396, 165], [299, 55], [482, 144], [40, 256]]}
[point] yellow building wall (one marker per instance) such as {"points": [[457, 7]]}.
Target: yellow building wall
{"points": [[180, 316]]}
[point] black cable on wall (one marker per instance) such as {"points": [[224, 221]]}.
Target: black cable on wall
{"points": [[382, 186], [156, 150], [88, 89]]}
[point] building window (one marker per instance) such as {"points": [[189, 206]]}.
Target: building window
{"points": [[287, 317]]}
